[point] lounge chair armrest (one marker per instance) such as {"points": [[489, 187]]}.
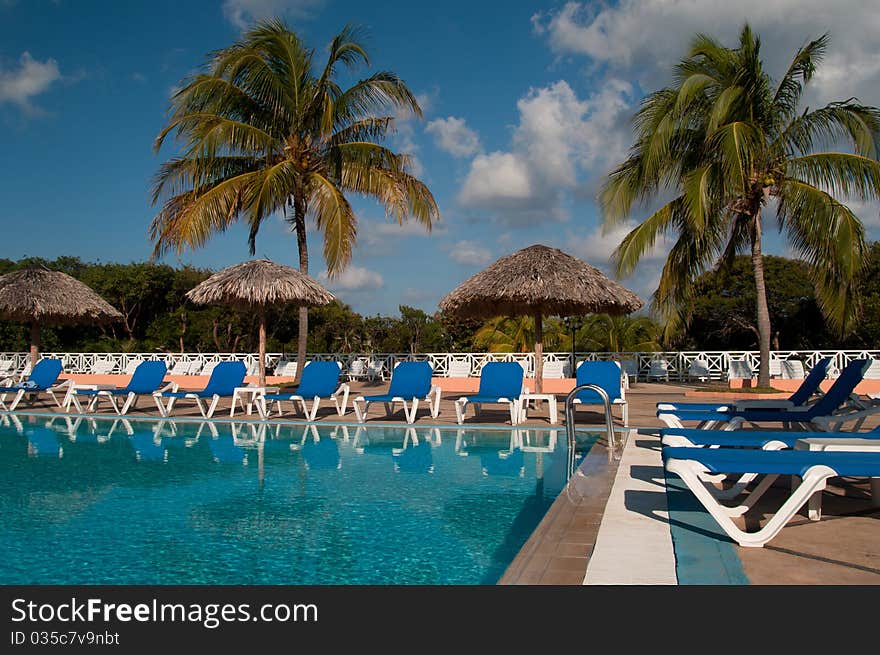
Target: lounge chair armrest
{"points": [[171, 386], [763, 404], [834, 422]]}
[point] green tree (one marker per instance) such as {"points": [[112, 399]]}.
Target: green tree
{"points": [[726, 141], [517, 334], [723, 314], [615, 334], [264, 132]]}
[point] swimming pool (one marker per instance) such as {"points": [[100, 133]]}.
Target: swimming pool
{"points": [[101, 501]]}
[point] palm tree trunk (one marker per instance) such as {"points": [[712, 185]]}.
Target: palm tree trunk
{"points": [[299, 217], [539, 354], [35, 343], [262, 347], [763, 311]]}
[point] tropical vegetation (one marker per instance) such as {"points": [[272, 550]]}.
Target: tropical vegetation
{"points": [[729, 144], [158, 317], [265, 131]]}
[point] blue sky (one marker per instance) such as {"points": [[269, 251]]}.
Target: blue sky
{"points": [[526, 105]]}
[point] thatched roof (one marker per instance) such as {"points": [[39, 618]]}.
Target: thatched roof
{"points": [[539, 279], [257, 283], [39, 295]]}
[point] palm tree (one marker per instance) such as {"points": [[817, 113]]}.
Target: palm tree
{"points": [[616, 334], [507, 334], [727, 141], [265, 132]]}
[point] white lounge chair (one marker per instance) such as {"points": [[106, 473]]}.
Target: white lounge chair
{"points": [[554, 370], [285, 368], [739, 369], [793, 369], [699, 370], [813, 467], [458, 368], [659, 369], [102, 366]]}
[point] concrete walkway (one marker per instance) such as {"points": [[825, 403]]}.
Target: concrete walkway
{"points": [[634, 544]]}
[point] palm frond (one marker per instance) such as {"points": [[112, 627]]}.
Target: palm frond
{"points": [[334, 216]]}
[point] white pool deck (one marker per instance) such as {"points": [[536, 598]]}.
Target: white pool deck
{"points": [[633, 547]]}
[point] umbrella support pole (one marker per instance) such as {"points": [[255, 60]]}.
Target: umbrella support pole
{"points": [[570, 431]]}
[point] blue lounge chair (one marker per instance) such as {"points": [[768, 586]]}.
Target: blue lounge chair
{"points": [[410, 383], [147, 447], [43, 379], [320, 380], [225, 377], [415, 456], [145, 381], [763, 439], [43, 442], [608, 376], [808, 388], [224, 450], [500, 382], [321, 454], [809, 416], [813, 467], [766, 439], [503, 463]]}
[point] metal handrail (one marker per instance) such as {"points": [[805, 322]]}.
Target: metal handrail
{"points": [[569, 420]]}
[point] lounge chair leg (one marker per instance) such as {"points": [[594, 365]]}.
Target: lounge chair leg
{"points": [[313, 412], [18, 396], [814, 480], [460, 410], [129, 403], [341, 409], [213, 406], [411, 414]]}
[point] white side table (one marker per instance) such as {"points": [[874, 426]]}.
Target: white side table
{"points": [[70, 397], [814, 506], [246, 397], [549, 397]]}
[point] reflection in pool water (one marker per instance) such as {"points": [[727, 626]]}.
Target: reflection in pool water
{"points": [[118, 501]]}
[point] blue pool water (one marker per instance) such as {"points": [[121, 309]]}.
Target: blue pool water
{"points": [[142, 502]]}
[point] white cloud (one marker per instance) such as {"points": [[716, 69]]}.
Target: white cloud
{"points": [[452, 135], [615, 36], [598, 246], [415, 296], [243, 13], [498, 178], [395, 229], [559, 138], [354, 278], [470, 253], [31, 78]]}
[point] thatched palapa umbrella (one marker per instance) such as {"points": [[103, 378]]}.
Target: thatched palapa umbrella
{"points": [[535, 281], [40, 297], [257, 284]]}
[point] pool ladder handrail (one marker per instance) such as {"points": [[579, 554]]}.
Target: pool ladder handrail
{"points": [[569, 420]]}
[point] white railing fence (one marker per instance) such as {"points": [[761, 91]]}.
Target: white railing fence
{"points": [[641, 366]]}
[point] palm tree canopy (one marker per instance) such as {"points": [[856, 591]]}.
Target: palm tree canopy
{"points": [[517, 334], [606, 333], [263, 131], [727, 140]]}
